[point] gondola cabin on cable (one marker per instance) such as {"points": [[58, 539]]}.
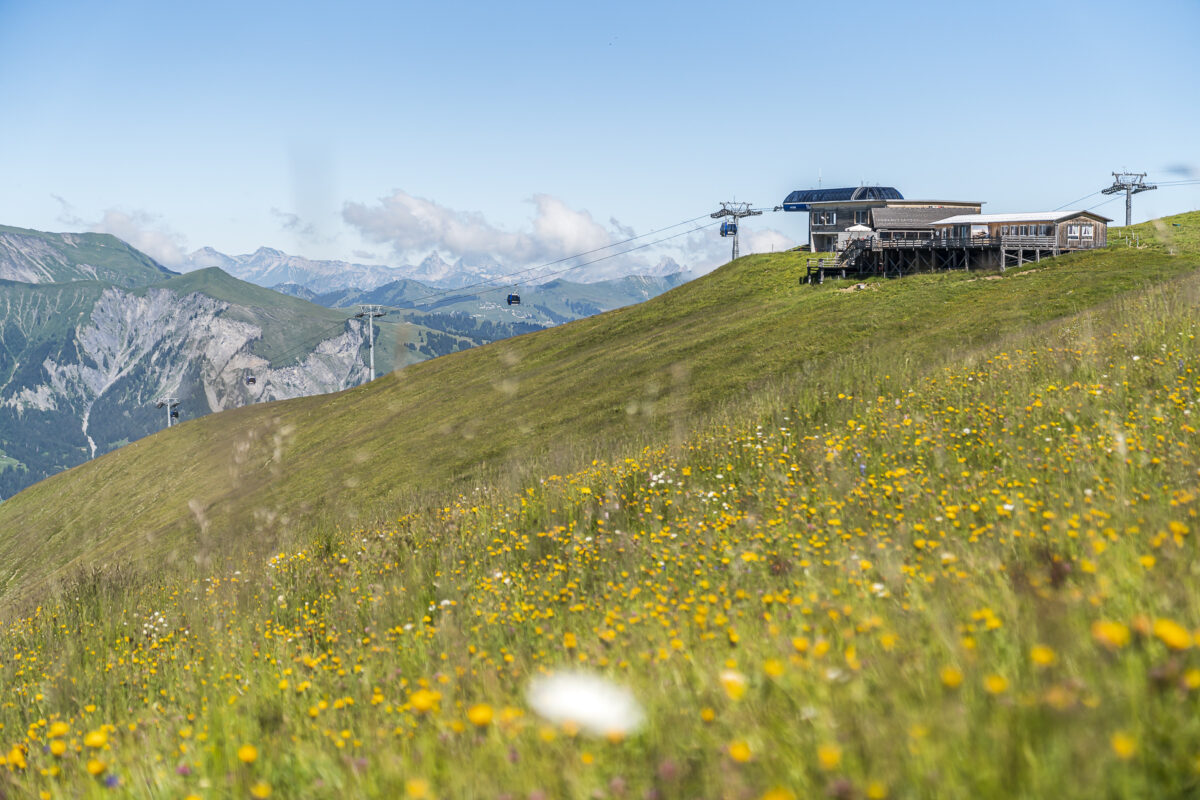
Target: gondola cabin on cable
{"points": [[251, 380], [514, 299], [174, 413], [728, 229]]}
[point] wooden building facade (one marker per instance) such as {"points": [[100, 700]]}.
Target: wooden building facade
{"points": [[829, 222], [971, 241], [874, 230]]}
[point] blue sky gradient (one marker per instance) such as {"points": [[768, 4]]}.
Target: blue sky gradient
{"points": [[237, 125]]}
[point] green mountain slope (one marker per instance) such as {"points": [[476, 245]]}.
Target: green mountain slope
{"points": [[95, 332], [253, 476], [542, 305], [82, 363], [40, 257]]}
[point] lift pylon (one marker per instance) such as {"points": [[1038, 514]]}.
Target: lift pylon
{"points": [[735, 211], [1130, 183]]}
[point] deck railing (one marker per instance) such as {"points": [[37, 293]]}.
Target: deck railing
{"points": [[1030, 242], [1027, 242], [925, 244]]}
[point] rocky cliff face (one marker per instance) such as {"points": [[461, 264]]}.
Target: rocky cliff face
{"points": [[76, 387]]}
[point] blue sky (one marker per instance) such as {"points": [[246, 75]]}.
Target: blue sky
{"points": [[384, 131]]}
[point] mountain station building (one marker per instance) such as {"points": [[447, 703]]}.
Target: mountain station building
{"points": [[875, 230]]}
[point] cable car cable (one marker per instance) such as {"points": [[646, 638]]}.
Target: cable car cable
{"points": [[492, 288], [501, 278], [425, 300]]}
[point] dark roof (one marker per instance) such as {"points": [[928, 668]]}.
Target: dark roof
{"points": [[893, 218], [799, 199]]}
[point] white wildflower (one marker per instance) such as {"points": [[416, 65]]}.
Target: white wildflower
{"points": [[596, 705]]}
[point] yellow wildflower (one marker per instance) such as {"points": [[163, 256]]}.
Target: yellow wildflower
{"points": [[1042, 655], [1172, 634], [1123, 745], [480, 715], [829, 756]]}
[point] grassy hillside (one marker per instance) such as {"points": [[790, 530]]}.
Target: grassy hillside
{"points": [[549, 400], [955, 563]]}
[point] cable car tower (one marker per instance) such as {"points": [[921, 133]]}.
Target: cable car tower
{"points": [[734, 211], [370, 312], [172, 406], [1130, 183]]}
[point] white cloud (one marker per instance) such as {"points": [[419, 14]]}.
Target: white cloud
{"points": [[146, 232], [415, 226], [560, 231], [67, 214], [292, 222], [705, 250], [764, 240]]}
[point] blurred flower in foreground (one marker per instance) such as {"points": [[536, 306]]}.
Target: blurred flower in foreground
{"points": [[594, 704]]}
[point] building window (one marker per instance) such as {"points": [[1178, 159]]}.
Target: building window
{"points": [[824, 218], [860, 217], [1087, 231], [1004, 230], [1072, 231]]}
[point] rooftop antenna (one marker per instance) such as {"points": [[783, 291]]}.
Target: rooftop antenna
{"points": [[1130, 183], [370, 312], [736, 211]]}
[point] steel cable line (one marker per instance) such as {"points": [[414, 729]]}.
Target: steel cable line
{"points": [[1187, 182], [1073, 202], [1112, 199], [323, 334], [631, 249], [490, 285], [491, 282]]}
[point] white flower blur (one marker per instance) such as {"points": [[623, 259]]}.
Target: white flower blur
{"points": [[596, 705]]}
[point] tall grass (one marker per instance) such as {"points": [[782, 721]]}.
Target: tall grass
{"points": [[878, 576]]}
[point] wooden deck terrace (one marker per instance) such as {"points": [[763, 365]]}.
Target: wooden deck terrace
{"points": [[898, 257], [977, 242]]}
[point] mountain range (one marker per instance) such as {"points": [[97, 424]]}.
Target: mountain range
{"points": [[95, 333], [270, 267]]}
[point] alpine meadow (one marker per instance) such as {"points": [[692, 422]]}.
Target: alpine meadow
{"points": [[927, 537]]}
